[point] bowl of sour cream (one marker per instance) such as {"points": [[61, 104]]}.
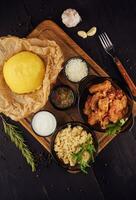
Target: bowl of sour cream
{"points": [[44, 123]]}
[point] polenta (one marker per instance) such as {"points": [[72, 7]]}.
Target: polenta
{"points": [[24, 72]]}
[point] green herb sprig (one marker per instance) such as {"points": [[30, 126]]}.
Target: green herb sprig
{"points": [[17, 138], [78, 157], [116, 127]]}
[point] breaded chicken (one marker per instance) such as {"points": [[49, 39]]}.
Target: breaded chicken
{"points": [[105, 86], [87, 109], [103, 104], [93, 118], [106, 104], [104, 122], [115, 116], [95, 99], [117, 109]]}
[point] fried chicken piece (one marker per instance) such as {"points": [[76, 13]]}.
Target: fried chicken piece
{"points": [[105, 86], [87, 109], [120, 104], [117, 109], [114, 115], [92, 103], [119, 94], [101, 114], [124, 101], [93, 118], [104, 122], [95, 99], [111, 94], [103, 104]]}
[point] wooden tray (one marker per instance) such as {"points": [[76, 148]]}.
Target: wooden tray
{"points": [[48, 29]]}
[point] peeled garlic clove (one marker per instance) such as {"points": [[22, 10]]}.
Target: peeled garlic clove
{"points": [[82, 34], [92, 31]]}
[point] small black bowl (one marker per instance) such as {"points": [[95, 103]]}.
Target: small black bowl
{"points": [[84, 93], [72, 58], [73, 124], [33, 128], [54, 105]]}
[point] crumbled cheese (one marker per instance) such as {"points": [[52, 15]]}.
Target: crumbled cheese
{"points": [[76, 69]]}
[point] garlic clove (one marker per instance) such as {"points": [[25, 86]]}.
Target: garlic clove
{"points": [[92, 31], [82, 34]]}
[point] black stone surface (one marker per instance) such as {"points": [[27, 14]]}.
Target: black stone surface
{"points": [[113, 175]]}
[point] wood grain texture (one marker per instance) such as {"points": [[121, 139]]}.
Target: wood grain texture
{"points": [[48, 29]]}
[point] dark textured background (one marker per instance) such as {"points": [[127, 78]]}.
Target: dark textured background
{"points": [[113, 176]]}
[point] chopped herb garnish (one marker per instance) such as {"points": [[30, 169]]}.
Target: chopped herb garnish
{"points": [[89, 148], [115, 127]]}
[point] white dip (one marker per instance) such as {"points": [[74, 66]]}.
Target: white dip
{"points": [[76, 69], [44, 123]]}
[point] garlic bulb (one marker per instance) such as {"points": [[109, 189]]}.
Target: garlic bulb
{"points": [[70, 18]]}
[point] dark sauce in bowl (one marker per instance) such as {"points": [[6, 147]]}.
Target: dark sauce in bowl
{"points": [[62, 97]]}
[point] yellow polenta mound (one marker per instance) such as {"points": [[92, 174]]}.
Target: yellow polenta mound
{"points": [[24, 72]]}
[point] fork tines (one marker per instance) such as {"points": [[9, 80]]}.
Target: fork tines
{"points": [[105, 41]]}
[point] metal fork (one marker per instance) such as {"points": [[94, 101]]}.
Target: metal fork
{"points": [[109, 49]]}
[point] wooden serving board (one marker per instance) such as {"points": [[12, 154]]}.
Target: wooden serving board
{"points": [[48, 29]]}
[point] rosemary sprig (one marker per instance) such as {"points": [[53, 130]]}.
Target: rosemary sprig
{"points": [[115, 127], [17, 138]]}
